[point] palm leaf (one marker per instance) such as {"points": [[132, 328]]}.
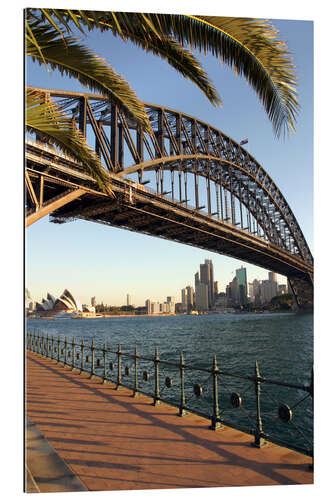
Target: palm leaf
{"points": [[249, 46], [252, 48], [140, 29], [75, 60], [51, 123]]}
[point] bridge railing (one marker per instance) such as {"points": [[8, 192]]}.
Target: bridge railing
{"points": [[249, 403]]}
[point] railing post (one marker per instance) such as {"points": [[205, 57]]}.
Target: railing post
{"points": [[216, 419], [52, 343], [92, 348], [82, 355], [104, 356], [258, 440], [136, 380], [157, 400], [47, 346], [119, 367], [182, 403], [58, 348], [73, 353], [65, 359]]}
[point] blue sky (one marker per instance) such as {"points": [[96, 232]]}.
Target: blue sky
{"points": [[91, 259]]}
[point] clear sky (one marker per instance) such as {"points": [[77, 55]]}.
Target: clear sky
{"points": [[94, 260]]}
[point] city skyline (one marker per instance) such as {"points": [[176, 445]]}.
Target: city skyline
{"points": [[112, 262], [177, 297]]}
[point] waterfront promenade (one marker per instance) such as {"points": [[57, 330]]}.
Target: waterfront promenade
{"points": [[102, 439]]}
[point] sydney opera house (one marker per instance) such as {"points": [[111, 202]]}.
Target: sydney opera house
{"points": [[65, 304]]}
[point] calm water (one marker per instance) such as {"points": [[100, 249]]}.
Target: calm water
{"points": [[281, 343]]}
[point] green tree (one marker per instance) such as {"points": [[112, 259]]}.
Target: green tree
{"points": [[250, 46]]}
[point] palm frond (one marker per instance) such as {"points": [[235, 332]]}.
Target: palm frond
{"points": [[251, 47], [51, 123], [75, 60], [140, 29]]}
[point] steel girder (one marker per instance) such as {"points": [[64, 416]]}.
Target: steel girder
{"points": [[182, 143]]}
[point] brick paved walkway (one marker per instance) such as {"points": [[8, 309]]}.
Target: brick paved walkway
{"points": [[112, 441]]}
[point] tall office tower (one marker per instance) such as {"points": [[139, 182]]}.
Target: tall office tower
{"points": [[250, 288], [273, 283], [93, 301], [196, 284], [184, 302], [242, 283], [211, 283], [172, 304], [205, 277], [201, 297], [256, 291], [272, 276], [128, 300], [234, 291], [216, 289], [148, 306], [189, 298]]}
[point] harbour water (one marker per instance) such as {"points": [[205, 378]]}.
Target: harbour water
{"points": [[282, 344]]}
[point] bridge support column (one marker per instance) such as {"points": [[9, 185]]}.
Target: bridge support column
{"points": [[302, 291]]}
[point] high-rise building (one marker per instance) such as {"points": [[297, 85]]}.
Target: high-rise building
{"points": [[234, 291], [155, 307], [256, 291], [207, 277], [128, 300], [272, 276], [201, 297], [93, 301], [172, 304], [242, 283], [189, 298], [211, 281], [184, 302], [148, 306]]}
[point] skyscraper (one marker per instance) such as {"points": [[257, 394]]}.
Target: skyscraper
{"points": [[242, 283], [201, 297], [171, 301], [128, 300], [207, 277], [184, 303], [189, 298], [93, 301]]}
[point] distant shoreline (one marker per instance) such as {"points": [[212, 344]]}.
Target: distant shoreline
{"points": [[163, 315]]}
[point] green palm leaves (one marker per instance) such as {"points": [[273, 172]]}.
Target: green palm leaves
{"points": [[249, 46], [49, 122]]}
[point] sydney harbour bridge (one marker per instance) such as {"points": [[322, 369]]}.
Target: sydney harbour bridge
{"points": [[186, 182]]}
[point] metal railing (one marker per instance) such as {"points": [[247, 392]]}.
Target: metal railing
{"points": [[204, 391]]}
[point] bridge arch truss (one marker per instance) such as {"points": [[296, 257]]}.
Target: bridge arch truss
{"points": [[183, 153]]}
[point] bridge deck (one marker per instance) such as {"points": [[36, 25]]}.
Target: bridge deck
{"points": [[112, 441]]}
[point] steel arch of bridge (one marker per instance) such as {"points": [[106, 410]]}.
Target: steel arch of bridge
{"points": [[185, 145]]}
